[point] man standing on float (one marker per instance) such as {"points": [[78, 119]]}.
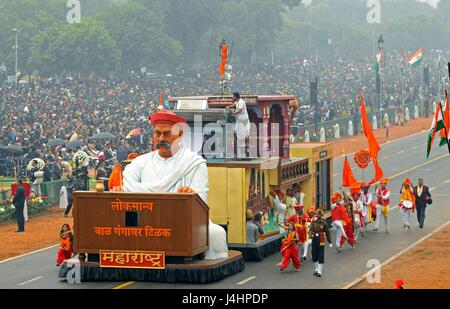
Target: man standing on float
{"points": [[172, 168]]}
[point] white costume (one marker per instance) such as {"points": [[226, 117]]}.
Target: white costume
{"points": [[366, 200], [338, 223], [406, 212], [152, 173], [382, 207], [242, 127], [280, 209], [358, 208]]}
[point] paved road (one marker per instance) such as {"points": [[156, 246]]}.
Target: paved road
{"points": [[399, 159]]}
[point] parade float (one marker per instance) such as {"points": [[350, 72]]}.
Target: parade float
{"points": [[273, 164], [135, 236]]}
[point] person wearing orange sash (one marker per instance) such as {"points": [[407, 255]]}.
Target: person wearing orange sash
{"points": [[407, 203], [348, 228], [301, 226], [66, 244], [289, 248]]}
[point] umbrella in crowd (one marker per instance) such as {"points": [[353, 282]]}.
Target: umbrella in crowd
{"points": [[13, 149], [134, 133], [56, 142], [74, 144], [103, 135]]}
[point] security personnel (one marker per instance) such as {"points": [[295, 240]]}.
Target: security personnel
{"points": [[318, 231]]}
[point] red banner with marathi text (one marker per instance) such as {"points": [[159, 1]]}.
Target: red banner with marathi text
{"points": [[132, 259]]}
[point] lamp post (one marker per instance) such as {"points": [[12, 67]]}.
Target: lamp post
{"points": [[2, 71], [15, 48], [379, 78]]}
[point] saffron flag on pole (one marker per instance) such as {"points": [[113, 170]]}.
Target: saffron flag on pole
{"points": [[436, 125], [444, 133], [224, 55], [348, 179], [416, 58], [374, 147]]}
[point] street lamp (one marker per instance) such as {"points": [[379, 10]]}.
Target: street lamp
{"points": [[16, 48], [380, 42], [379, 78]]}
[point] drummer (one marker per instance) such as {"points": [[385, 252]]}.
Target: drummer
{"points": [[407, 203]]}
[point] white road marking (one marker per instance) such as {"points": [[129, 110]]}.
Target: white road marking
{"points": [[246, 280], [31, 280], [447, 181], [415, 147], [29, 253], [392, 258], [431, 189], [401, 151], [385, 157]]}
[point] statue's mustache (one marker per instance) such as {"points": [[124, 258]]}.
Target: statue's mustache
{"points": [[163, 144]]}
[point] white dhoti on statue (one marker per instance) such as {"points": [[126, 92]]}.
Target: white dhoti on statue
{"points": [[154, 174]]}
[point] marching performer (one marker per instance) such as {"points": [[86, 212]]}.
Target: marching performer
{"points": [[369, 208], [348, 225], [358, 212], [289, 248], [407, 203], [383, 200], [300, 221], [338, 217], [318, 232]]}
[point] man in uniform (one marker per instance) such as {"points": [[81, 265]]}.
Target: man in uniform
{"points": [[318, 232], [19, 203]]}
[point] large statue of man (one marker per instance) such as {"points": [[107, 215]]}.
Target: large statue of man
{"points": [[172, 168]]}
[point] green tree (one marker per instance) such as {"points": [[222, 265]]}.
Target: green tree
{"points": [[79, 48], [141, 37]]}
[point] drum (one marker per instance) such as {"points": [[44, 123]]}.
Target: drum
{"points": [[407, 204]]}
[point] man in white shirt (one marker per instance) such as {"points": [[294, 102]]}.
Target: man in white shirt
{"points": [[242, 124], [172, 168]]}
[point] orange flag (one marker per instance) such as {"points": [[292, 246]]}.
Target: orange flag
{"points": [[161, 99], [378, 172], [116, 178], [374, 147], [224, 54], [348, 180]]}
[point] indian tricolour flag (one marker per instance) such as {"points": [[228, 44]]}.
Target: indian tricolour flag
{"points": [[436, 126], [444, 133], [416, 58], [379, 63]]}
